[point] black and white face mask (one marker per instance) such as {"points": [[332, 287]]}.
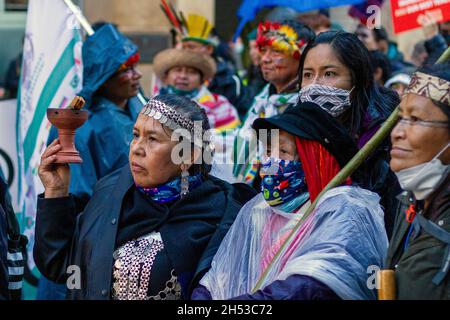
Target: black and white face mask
{"points": [[333, 100]]}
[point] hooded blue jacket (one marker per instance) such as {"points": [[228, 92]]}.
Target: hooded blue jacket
{"points": [[103, 141]]}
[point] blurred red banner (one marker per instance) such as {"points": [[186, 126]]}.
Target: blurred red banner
{"points": [[412, 14]]}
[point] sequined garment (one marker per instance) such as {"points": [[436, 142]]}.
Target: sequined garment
{"points": [[133, 266], [172, 291]]}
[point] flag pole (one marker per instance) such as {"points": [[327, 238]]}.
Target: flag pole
{"points": [[87, 27], [340, 178], [80, 17]]}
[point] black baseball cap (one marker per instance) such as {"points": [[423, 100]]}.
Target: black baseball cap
{"points": [[309, 121]]}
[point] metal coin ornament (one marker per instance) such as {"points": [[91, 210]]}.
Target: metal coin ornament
{"points": [[67, 121], [184, 183]]}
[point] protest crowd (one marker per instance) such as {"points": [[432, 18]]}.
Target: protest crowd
{"points": [[224, 180]]}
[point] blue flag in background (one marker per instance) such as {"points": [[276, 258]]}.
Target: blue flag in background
{"points": [[249, 8]]}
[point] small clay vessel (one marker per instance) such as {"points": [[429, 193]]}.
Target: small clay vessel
{"points": [[67, 121]]}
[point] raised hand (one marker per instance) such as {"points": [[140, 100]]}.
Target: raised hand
{"points": [[54, 176], [429, 23]]}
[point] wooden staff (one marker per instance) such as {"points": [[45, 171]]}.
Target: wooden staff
{"points": [[386, 285]]}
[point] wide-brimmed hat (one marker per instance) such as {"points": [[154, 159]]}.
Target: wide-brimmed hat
{"points": [[170, 58], [309, 121]]}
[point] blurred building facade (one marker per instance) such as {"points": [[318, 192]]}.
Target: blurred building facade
{"points": [[145, 23]]}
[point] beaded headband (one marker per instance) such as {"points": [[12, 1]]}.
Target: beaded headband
{"points": [[431, 87], [174, 120], [130, 62]]}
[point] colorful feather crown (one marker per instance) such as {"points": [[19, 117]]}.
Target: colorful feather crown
{"points": [[280, 37], [195, 27]]}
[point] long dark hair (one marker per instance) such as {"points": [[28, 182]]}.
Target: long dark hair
{"points": [[194, 112], [371, 104]]}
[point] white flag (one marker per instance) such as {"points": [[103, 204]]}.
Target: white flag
{"points": [[51, 76]]}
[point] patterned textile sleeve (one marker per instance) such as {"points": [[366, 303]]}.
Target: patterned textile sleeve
{"points": [[221, 113]]}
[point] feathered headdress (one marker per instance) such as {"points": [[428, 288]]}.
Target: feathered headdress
{"points": [[281, 37], [194, 28]]}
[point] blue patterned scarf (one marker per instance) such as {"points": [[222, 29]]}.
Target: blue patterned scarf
{"points": [[171, 190]]}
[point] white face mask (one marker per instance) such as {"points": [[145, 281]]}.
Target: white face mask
{"points": [[424, 178]]}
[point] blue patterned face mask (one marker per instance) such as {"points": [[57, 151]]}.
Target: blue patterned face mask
{"points": [[171, 190], [191, 94], [283, 183]]}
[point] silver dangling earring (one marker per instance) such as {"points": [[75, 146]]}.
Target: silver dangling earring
{"points": [[184, 182]]}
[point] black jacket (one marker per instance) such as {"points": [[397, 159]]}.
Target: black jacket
{"points": [[4, 294], [418, 258], [87, 240], [12, 248]]}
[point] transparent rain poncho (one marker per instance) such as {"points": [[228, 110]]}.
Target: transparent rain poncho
{"points": [[335, 245]]}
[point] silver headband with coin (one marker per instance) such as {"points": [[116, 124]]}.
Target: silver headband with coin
{"points": [[174, 120], [429, 86]]}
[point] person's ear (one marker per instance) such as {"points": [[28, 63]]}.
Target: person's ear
{"points": [[165, 76], [378, 75], [445, 157], [196, 154], [383, 46], [209, 49], [202, 77]]}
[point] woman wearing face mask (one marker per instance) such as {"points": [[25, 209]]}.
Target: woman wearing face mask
{"points": [[330, 253], [419, 251], [148, 226], [336, 74], [280, 46]]}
